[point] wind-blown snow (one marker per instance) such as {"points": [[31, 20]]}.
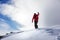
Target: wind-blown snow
{"points": [[32, 35]]}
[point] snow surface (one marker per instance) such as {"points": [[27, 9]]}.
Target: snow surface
{"points": [[34, 35]]}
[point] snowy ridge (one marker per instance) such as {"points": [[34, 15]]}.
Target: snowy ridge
{"points": [[52, 34]]}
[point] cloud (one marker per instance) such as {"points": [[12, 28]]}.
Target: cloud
{"points": [[8, 25], [13, 24], [4, 25], [52, 13]]}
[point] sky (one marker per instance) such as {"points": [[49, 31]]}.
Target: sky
{"points": [[22, 11], [6, 23], [6, 19], [52, 13]]}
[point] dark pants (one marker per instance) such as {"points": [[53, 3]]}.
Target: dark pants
{"points": [[35, 24]]}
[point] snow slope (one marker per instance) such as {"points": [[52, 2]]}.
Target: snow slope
{"points": [[32, 35]]}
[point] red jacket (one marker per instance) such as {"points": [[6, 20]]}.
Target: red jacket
{"points": [[35, 17]]}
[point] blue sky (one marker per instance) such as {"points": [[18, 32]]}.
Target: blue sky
{"points": [[5, 1], [13, 25]]}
